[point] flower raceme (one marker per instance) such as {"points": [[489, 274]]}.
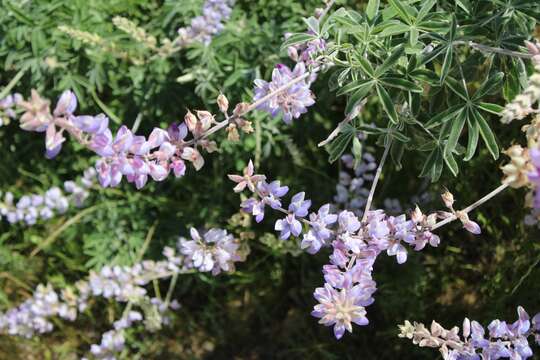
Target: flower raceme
{"points": [[32, 207], [504, 340], [355, 244], [137, 158], [209, 24], [216, 251]]}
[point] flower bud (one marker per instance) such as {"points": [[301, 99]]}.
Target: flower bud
{"points": [[191, 121], [245, 126], [223, 103], [232, 133], [417, 215], [293, 53], [448, 199], [240, 109], [206, 119]]}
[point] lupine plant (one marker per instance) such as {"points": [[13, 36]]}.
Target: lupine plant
{"points": [[436, 85]]}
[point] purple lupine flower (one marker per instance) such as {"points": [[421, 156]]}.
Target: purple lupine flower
{"points": [[290, 224], [92, 124], [318, 233], [215, 251], [209, 24], [339, 308], [272, 193], [67, 103], [248, 179], [293, 101]]}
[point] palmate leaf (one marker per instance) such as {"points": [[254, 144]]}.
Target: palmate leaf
{"points": [[434, 165], [401, 10], [297, 39], [390, 61]]}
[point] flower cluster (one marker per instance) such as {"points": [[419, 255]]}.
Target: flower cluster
{"points": [[125, 154], [7, 108], [503, 341], [521, 106], [30, 208], [294, 101], [291, 103], [355, 243], [215, 251], [209, 24]]}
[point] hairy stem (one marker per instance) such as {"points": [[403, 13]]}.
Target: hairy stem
{"points": [[472, 206]]}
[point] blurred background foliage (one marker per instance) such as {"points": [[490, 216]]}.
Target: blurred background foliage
{"points": [[262, 310]]}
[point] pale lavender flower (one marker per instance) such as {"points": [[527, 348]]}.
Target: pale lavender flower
{"points": [[203, 28], [339, 308], [215, 251], [293, 101]]}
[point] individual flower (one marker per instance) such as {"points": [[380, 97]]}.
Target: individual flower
{"points": [[339, 308], [248, 179]]}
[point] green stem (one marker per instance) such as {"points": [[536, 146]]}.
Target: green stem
{"points": [[5, 91]]}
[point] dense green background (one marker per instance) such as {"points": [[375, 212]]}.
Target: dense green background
{"points": [[261, 311]]}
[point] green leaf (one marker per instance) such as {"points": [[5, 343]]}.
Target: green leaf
{"points": [[413, 36], [464, 4], [402, 84], [387, 103], [341, 143], [357, 148], [429, 57], [444, 116], [451, 163], [353, 86], [424, 10], [372, 9], [472, 142], [455, 131], [396, 152], [391, 29], [390, 61], [491, 108], [425, 75], [437, 168], [457, 87], [401, 10], [487, 134], [365, 65], [313, 24], [297, 39], [358, 96], [447, 64], [491, 83]]}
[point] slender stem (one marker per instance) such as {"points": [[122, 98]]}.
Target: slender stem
{"points": [[471, 207], [337, 130], [172, 285], [5, 91], [137, 123], [376, 180], [149, 237]]}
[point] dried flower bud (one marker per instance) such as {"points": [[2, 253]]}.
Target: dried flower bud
{"points": [[232, 133], [417, 216], [191, 121], [240, 109], [448, 199], [245, 126], [223, 103]]}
